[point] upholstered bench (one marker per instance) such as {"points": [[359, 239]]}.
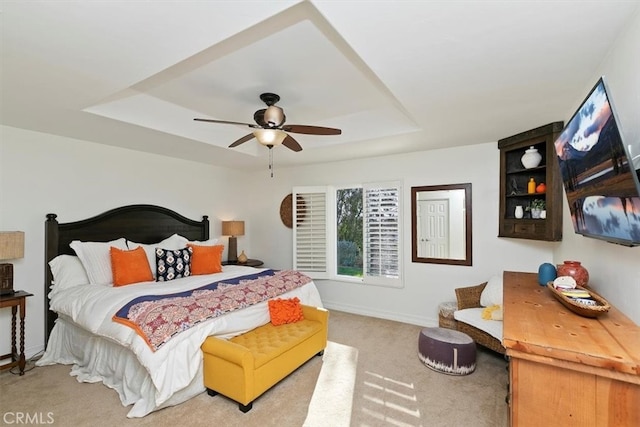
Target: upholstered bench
{"points": [[246, 366]]}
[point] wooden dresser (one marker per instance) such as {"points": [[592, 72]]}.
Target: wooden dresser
{"points": [[565, 369]]}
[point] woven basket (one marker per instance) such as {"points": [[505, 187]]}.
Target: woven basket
{"points": [[581, 309], [449, 323], [445, 315]]}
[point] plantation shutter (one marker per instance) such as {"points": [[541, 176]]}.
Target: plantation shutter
{"points": [[310, 231], [382, 232]]}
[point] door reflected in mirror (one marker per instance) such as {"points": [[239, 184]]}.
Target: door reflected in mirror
{"points": [[441, 224]]}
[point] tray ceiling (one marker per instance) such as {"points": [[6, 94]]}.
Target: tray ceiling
{"points": [[394, 76]]}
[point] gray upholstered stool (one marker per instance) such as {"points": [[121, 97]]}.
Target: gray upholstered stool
{"points": [[447, 351]]}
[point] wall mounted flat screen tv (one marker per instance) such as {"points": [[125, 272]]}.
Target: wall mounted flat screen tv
{"points": [[600, 180]]}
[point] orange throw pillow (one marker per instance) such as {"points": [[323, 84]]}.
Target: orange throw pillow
{"points": [[206, 259], [283, 311], [129, 266]]}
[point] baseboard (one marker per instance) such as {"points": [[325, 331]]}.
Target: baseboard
{"points": [[33, 351], [29, 353], [388, 315]]}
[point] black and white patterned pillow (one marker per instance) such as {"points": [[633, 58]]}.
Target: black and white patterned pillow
{"points": [[173, 264]]}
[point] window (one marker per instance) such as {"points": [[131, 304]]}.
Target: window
{"points": [[350, 233], [382, 233]]}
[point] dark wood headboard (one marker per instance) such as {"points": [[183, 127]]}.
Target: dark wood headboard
{"points": [[138, 223]]}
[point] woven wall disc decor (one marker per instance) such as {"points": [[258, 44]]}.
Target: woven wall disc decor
{"points": [[286, 211]]}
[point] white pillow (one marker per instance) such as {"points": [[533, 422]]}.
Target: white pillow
{"points": [[96, 259], [172, 242], [492, 293], [67, 272], [210, 242]]}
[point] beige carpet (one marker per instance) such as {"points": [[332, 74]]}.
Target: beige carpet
{"points": [[371, 377]]}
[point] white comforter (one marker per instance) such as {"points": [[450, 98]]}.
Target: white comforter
{"points": [[173, 367]]}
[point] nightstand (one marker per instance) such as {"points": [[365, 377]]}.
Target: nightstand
{"points": [[249, 263], [17, 301]]}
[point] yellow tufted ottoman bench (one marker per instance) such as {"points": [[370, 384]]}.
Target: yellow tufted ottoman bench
{"points": [[246, 366]]}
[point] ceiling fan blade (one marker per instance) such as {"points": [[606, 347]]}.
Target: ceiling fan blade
{"points": [[311, 130], [242, 140], [291, 144], [225, 122]]}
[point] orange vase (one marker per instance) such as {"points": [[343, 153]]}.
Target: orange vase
{"points": [[576, 270]]}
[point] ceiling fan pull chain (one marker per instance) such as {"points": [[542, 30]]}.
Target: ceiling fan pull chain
{"points": [[271, 159]]}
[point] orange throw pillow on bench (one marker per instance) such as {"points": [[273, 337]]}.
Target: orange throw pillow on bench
{"points": [[282, 311], [129, 266]]}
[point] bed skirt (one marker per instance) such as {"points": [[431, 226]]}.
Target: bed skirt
{"points": [[69, 344]]}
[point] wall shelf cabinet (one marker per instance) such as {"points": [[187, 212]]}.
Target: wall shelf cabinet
{"points": [[514, 179]]}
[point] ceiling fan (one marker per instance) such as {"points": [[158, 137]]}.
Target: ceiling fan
{"points": [[270, 129]]}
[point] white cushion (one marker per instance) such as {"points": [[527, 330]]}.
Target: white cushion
{"points": [[473, 317], [492, 293], [67, 272], [96, 259], [210, 242], [173, 242]]}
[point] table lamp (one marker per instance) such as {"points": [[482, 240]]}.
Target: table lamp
{"points": [[11, 247], [232, 229]]}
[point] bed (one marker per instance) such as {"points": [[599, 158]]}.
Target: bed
{"points": [[79, 326]]}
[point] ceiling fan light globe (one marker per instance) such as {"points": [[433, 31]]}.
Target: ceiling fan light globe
{"points": [[273, 116], [269, 137]]}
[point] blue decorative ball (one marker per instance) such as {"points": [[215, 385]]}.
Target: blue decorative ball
{"points": [[546, 273]]}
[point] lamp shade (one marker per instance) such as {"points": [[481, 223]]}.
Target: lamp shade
{"points": [[11, 244], [273, 116], [233, 228], [269, 137]]}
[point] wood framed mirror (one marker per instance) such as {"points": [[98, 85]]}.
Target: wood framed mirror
{"points": [[441, 224]]}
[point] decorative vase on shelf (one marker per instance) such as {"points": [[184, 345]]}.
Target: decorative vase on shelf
{"points": [[242, 258], [531, 158], [531, 186], [519, 212], [576, 270]]}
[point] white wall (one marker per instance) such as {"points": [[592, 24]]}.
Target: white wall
{"points": [[425, 285], [41, 173], [614, 270]]}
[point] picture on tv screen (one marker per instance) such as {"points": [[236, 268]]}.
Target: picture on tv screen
{"points": [[599, 181]]}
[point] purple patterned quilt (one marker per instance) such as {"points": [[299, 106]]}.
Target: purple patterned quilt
{"points": [[157, 318]]}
